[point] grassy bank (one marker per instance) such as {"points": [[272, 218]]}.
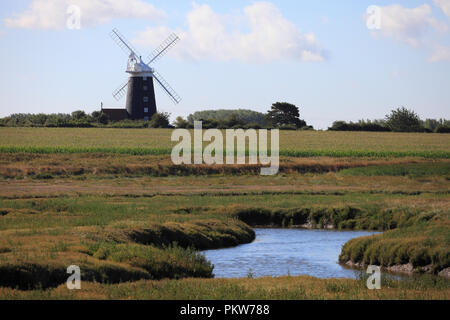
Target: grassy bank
{"points": [[421, 245], [48, 166], [38, 257]]}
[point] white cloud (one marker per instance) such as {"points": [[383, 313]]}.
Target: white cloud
{"points": [[444, 5], [407, 25], [212, 36], [440, 54], [52, 14]]}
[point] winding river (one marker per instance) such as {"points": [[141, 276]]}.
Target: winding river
{"points": [[280, 252]]}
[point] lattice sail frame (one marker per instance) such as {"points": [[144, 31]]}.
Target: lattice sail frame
{"points": [[162, 50]]}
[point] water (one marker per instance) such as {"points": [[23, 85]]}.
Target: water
{"points": [[280, 252]]}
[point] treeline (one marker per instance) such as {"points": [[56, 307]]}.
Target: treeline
{"points": [[79, 119], [399, 120], [241, 115], [361, 125], [282, 115], [223, 119]]}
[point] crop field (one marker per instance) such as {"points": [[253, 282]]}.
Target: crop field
{"points": [[111, 201], [157, 142]]}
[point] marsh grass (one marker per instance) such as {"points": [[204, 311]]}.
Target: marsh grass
{"points": [[83, 165], [133, 238], [414, 170], [422, 241], [285, 288], [127, 228]]}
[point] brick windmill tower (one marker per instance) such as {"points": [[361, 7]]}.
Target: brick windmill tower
{"points": [[139, 88]]}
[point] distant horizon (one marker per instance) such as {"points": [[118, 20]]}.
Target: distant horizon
{"points": [[173, 117], [335, 61]]}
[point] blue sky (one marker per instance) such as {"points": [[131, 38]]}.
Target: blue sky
{"points": [[319, 55]]}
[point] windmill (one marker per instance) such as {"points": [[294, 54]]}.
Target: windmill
{"points": [[139, 88]]}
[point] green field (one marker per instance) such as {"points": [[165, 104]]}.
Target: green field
{"points": [[134, 222], [157, 141]]}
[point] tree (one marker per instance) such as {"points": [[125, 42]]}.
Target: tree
{"points": [[78, 115], [285, 114], [442, 129], [209, 123], [403, 120], [99, 117], [234, 121], [103, 119], [181, 123], [160, 120], [433, 124]]}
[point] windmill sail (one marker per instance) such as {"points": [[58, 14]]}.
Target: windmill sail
{"points": [[163, 48], [123, 43], [163, 83], [120, 91]]}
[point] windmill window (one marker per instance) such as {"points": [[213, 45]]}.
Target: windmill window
{"points": [[145, 79], [146, 118], [145, 88], [145, 99], [145, 110]]}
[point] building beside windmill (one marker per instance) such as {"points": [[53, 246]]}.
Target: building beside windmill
{"points": [[139, 88]]}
